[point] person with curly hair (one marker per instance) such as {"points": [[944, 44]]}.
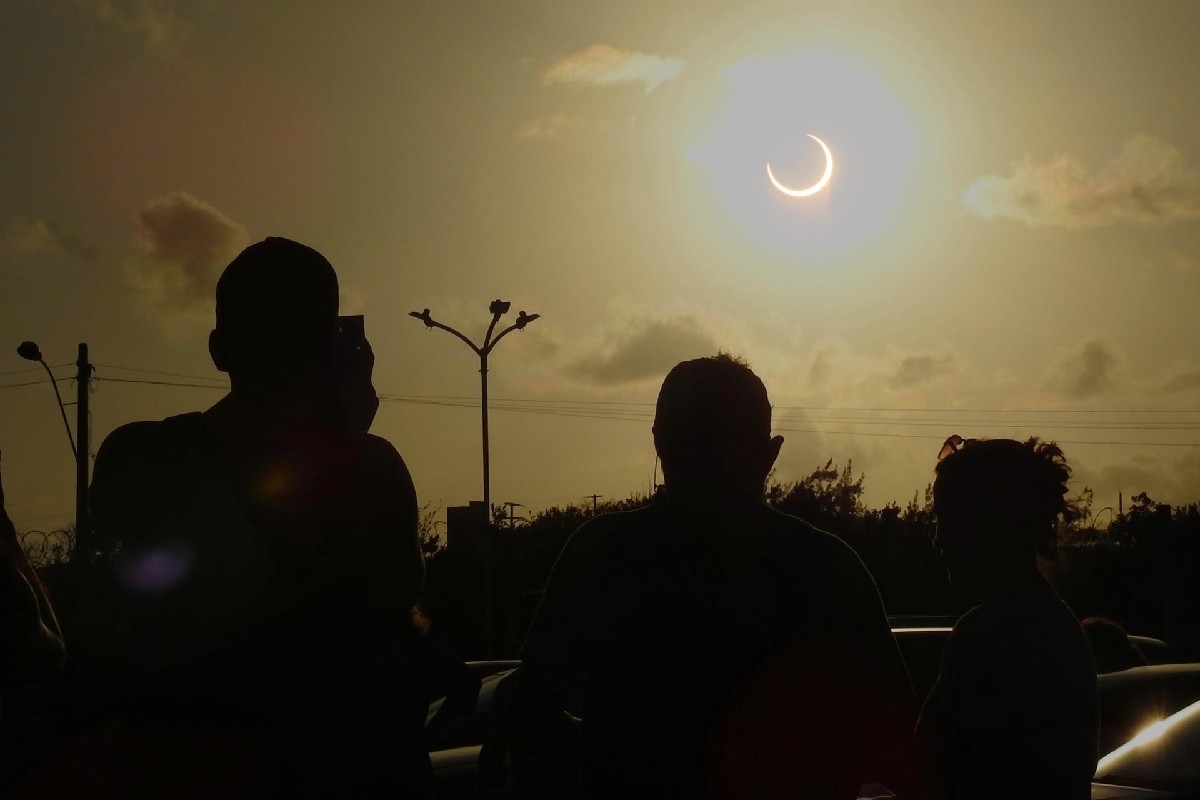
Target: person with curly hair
{"points": [[1014, 712]]}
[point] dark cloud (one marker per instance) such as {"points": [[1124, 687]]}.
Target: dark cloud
{"points": [[187, 242], [921, 368], [1089, 371], [647, 353], [821, 368], [1147, 184]]}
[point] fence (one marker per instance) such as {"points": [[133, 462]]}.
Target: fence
{"points": [[47, 548]]}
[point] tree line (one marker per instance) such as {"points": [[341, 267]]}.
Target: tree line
{"points": [[1142, 570]]}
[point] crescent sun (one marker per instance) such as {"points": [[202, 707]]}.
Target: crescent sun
{"points": [[816, 187]]}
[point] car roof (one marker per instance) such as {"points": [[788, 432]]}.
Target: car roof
{"points": [[1151, 673]]}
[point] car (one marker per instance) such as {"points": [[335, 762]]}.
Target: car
{"points": [[1130, 700], [1161, 761]]}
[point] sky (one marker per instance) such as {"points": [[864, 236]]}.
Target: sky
{"points": [[1009, 244]]}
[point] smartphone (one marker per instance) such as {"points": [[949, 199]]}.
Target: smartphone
{"points": [[359, 402], [352, 328]]}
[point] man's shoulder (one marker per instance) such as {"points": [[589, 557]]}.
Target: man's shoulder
{"points": [[144, 435], [380, 458], [379, 448], [802, 536], [618, 523], [605, 532]]}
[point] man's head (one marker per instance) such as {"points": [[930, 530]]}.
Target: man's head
{"points": [[712, 427], [277, 313]]}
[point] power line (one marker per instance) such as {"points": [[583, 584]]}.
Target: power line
{"points": [[450, 399], [808, 430], [582, 411], [27, 383], [940, 438], [160, 372], [998, 410], [163, 383], [20, 371], [909, 410], [1169, 425]]}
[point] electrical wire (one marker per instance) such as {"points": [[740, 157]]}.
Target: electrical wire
{"points": [[586, 409], [27, 383], [20, 371], [161, 383], [160, 372]]}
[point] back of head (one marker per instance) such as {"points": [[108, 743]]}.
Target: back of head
{"points": [[1111, 646], [712, 420], [277, 307], [1020, 485]]}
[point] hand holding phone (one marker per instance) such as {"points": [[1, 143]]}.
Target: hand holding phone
{"points": [[355, 363]]}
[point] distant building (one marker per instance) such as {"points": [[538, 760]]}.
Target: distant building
{"points": [[465, 526]]}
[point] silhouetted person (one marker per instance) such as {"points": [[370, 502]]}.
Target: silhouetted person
{"points": [[721, 649], [268, 559], [1111, 646], [31, 654], [1014, 712]]}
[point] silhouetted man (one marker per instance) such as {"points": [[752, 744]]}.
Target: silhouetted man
{"points": [[268, 556], [722, 649]]}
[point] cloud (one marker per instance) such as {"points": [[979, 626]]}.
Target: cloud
{"points": [[1090, 370], [34, 236], [604, 65], [1166, 480], [1147, 184], [551, 127], [647, 352], [148, 23], [186, 244], [822, 367], [1187, 380], [836, 371], [918, 368]]}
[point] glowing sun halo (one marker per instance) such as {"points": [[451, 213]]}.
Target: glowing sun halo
{"points": [[818, 186]]}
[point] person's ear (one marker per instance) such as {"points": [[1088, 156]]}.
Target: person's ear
{"points": [[217, 351]]}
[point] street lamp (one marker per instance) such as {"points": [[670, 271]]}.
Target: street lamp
{"points": [[31, 352], [498, 308]]}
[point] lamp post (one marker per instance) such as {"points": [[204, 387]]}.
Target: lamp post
{"points": [[31, 352], [498, 308]]}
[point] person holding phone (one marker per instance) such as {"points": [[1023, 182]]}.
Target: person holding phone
{"points": [[266, 560]]}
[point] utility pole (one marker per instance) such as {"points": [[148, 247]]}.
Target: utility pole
{"points": [[594, 497], [511, 518], [79, 449], [83, 519], [498, 308]]}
